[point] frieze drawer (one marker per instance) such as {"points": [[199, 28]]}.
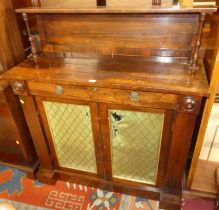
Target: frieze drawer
{"points": [[106, 95]]}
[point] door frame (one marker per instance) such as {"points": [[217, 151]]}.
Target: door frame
{"points": [[95, 128], [165, 145]]}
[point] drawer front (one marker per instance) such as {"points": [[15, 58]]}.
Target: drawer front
{"points": [[106, 95]]}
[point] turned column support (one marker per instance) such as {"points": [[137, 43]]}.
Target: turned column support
{"points": [[156, 2], [31, 40], [35, 3], [101, 3], [193, 66]]}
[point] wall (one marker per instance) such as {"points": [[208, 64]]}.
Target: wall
{"points": [[210, 147]]}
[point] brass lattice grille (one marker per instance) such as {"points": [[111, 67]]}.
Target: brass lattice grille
{"points": [[71, 130], [136, 138]]}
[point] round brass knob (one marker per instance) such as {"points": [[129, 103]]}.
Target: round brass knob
{"points": [[189, 104], [59, 90], [134, 96], [18, 87]]}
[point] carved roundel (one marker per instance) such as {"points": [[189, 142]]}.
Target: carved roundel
{"points": [[18, 87], [190, 104]]}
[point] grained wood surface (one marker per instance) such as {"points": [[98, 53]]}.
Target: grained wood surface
{"points": [[1, 67], [16, 147], [3, 85], [11, 50], [133, 73], [107, 95], [21, 24], [93, 3], [129, 62], [118, 9], [141, 191], [121, 34], [36, 131], [9, 150]]}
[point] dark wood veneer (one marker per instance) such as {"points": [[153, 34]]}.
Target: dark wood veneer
{"points": [[39, 10], [16, 147], [130, 58], [123, 72]]}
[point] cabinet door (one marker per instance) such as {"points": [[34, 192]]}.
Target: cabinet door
{"points": [[72, 130], [136, 143]]}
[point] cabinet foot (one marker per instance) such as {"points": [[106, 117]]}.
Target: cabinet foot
{"points": [[170, 201], [46, 176], [31, 176]]}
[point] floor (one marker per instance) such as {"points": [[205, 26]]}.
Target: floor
{"points": [[22, 193], [204, 179]]}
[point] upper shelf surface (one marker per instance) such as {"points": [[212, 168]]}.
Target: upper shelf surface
{"points": [[115, 6], [123, 72]]}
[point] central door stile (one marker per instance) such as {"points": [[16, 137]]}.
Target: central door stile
{"points": [[98, 143], [104, 122]]}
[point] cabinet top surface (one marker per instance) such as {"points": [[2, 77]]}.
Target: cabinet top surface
{"points": [[115, 6], [123, 72]]}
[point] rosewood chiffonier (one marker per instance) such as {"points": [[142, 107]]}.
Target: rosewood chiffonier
{"points": [[111, 99]]}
